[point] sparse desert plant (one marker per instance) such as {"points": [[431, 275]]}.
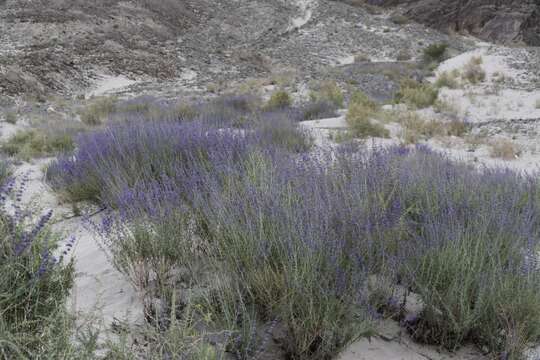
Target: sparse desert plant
{"points": [[328, 91], [416, 94], [473, 71], [11, 117], [98, 110], [435, 53], [447, 79], [361, 58], [360, 117], [279, 100], [314, 110], [27, 144], [399, 19], [404, 55], [504, 149], [34, 286]]}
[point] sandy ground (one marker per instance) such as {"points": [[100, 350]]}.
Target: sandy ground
{"points": [[108, 84], [101, 295]]}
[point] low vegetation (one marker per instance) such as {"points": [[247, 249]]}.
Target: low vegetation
{"points": [[279, 100], [537, 104], [11, 117], [290, 244], [328, 91], [361, 117], [435, 53], [504, 149], [473, 71], [448, 80], [97, 111], [34, 284], [27, 144], [417, 95], [416, 128]]}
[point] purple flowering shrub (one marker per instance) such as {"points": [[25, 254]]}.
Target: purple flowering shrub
{"points": [[34, 284], [122, 155], [298, 235]]}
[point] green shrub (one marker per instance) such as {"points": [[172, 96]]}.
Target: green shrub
{"points": [[435, 53], [417, 95], [27, 144], [11, 117], [329, 91], [98, 110], [33, 291], [399, 19], [404, 55], [279, 100], [446, 79], [360, 116]]}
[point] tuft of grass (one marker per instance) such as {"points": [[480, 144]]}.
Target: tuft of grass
{"points": [[435, 53], [11, 117], [361, 58], [399, 19], [279, 100], [448, 80], [27, 144], [360, 117], [473, 71], [98, 110], [504, 149], [328, 91], [34, 286], [404, 55], [417, 95], [314, 110]]}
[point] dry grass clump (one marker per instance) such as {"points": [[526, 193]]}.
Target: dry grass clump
{"points": [[473, 71], [435, 53], [360, 117], [96, 112], [279, 100], [404, 55], [328, 91], [361, 57], [27, 144], [448, 80], [417, 95], [417, 128], [399, 19], [11, 117], [504, 149]]}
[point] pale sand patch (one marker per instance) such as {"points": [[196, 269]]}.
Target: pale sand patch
{"points": [[108, 83]]}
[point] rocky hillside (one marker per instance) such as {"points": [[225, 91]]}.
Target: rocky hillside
{"points": [[504, 21], [64, 46]]}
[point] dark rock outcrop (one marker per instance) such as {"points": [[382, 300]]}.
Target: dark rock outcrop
{"points": [[502, 21]]}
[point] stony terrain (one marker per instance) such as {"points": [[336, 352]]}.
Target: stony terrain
{"points": [[506, 21]]}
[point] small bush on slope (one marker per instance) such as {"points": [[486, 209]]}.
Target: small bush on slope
{"points": [[27, 144], [279, 100], [435, 53], [360, 117], [417, 95]]}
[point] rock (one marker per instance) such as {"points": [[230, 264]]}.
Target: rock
{"points": [[504, 21]]}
